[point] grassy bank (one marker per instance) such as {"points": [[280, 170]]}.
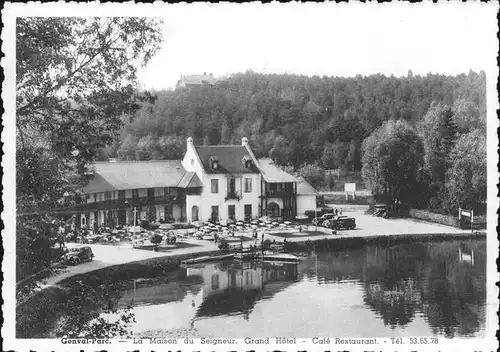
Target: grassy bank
{"points": [[36, 316]]}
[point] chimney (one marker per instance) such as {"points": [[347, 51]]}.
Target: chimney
{"points": [[244, 141]]}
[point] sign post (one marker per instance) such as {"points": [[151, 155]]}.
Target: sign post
{"points": [[468, 213], [350, 188]]}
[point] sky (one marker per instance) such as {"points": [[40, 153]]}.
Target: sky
{"points": [[322, 39]]}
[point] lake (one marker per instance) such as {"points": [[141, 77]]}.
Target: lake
{"points": [[419, 289]]}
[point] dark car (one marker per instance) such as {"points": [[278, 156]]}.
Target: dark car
{"points": [[323, 219], [341, 222], [77, 255]]}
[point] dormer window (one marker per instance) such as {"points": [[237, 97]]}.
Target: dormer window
{"points": [[247, 161], [214, 162]]}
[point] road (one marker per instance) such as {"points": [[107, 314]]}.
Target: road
{"points": [[367, 225]]}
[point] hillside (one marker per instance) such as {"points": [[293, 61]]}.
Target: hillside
{"points": [[294, 119]]}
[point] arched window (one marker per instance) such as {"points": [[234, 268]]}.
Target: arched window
{"points": [[194, 213], [273, 209]]}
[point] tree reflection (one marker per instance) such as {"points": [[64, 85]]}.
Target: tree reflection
{"points": [[404, 280]]}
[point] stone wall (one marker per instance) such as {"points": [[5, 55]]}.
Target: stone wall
{"points": [[433, 217]]}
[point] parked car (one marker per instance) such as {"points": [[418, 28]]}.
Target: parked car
{"points": [[322, 219], [380, 210], [77, 255], [341, 222]]}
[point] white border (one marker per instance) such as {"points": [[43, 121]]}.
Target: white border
{"points": [[11, 11]]}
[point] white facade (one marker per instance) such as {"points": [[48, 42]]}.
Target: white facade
{"points": [[208, 200], [305, 202]]}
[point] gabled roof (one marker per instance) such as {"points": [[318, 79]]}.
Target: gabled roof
{"points": [[272, 172], [229, 159], [190, 180], [122, 175], [303, 187]]}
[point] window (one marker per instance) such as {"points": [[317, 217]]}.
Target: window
{"points": [[248, 185], [231, 212], [167, 191], [215, 282], [151, 193], [215, 186], [169, 211], [215, 213], [95, 197], [248, 211], [121, 194], [135, 194], [192, 161], [232, 186], [107, 195]]}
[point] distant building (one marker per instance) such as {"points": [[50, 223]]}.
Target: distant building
{"points": [[197, 81], [210, 183]]}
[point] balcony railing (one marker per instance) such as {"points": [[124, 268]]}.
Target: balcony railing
{"points": [[233, 195], [278, 194], [120, 203]]}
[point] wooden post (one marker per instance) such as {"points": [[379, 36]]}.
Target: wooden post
{"points": [[472, 221]]}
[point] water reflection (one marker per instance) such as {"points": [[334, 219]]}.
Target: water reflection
{"points": [[234, 288], [444, 282], [413, 289]]}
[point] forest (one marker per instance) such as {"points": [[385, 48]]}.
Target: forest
{"points": [[309, 124], [293, 119]]}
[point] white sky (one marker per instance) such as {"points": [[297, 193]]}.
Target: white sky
{"points": [[323, 39]]}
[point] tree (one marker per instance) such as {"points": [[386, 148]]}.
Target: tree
{"points": [[75, 77], [334, 155], [438, 131], [466, 177], [313, 174], [392, 158]]}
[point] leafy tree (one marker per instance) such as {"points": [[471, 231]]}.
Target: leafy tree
{"points": [[392, 157], [313, 174], [467, 116], [146, 148], [438, 131], [334, 155], [75, 78], [127, 149], [466, 177]]}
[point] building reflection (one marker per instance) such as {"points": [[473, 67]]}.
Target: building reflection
{"points": [[234, 288]]}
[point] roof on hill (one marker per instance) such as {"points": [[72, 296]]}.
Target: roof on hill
{"points": [[272, 173], [198, 79], [230, 159], [122, 175]]}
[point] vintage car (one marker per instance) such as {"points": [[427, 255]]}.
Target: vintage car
{"points": [[323, 219], [77, 255], [341, 222]]}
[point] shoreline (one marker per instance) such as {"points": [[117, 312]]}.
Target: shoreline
{"points": [[40, 310]]}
